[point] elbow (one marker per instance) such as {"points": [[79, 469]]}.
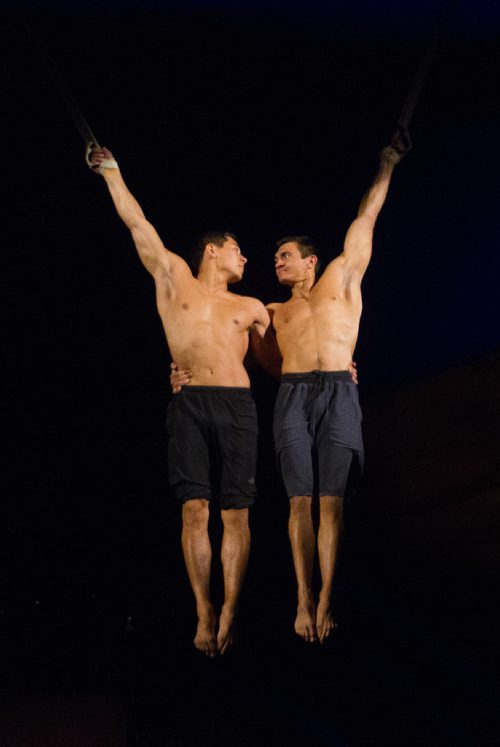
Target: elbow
{"points": [[370, 214], [138, 227], [366, 219], [134, 222]]}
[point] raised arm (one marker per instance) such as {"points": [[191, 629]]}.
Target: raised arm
{"points": [[154, 256], [358, 241]]}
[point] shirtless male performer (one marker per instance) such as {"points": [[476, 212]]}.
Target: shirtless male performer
{"points": [[212, 424], [317, 417]]}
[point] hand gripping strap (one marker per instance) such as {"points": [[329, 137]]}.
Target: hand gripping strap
{"points": [[107, 163]]}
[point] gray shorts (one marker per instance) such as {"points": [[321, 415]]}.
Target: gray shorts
{"points": [[212, 447], [317, 433]]}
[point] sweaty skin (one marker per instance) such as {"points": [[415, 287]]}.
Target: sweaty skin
{"points": [[207, 330]]}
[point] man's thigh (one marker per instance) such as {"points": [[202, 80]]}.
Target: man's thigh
{"points": [[293, 441], [339, 441], [188, 451], [236, 432], [334, 467]]}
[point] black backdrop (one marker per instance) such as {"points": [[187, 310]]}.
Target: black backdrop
{"points": [[267, 121]]}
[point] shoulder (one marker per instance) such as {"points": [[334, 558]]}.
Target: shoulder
{"points": [[336, 263], [334, 272], [248, 301], [255, 307], [172, 267], [272, 308]]}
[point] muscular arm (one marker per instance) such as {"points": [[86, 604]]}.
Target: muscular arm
{"points": [[358, 241], [264, 345], [152, 253]]}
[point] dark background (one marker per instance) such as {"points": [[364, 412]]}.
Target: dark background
{"points": [[266, 120]]}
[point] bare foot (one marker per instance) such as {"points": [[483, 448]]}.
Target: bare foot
{"points": [[305, 625], [205, 639], [227, 631], [324, 620]]}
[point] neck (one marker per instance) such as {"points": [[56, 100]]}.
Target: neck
{"points": [[302, 288], [212, 280]]}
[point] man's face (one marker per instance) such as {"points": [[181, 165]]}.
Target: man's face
{"points": [[289, 264], [230, 259]]}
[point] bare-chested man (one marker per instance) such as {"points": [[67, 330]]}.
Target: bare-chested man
{"points": [[212, 423], [317, 419]]}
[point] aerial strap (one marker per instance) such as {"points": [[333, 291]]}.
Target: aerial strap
{"points": [[63, 89], [420, 77]]}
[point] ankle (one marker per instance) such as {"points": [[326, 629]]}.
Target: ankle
{"points": [[305, 596], [228, 611], [324, 598], [204, 610]]}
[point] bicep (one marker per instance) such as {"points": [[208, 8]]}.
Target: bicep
{"points": [[148, 244], [358, 245], [157, 259]]}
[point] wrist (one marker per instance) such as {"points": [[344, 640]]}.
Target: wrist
{"points": [[108, 174], [389, 156], [107, 165]]}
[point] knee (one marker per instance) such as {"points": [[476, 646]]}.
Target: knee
{"points": [[235, 519], [195, 515], [300, 505], [331, 506]]}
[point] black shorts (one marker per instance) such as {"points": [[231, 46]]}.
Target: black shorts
{"points": [[212, 448], [317, 433]]}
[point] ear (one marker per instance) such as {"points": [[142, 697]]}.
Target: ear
{"points": [[313, 260], [210, 250]]}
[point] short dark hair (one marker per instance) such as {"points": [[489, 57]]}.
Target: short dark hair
{"points": [[209, 237], [304, 245]]}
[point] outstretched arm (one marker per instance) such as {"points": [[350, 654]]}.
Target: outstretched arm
{"points": [[153, 254], [358, 241]]}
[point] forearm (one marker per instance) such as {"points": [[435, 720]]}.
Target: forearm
{"points": [[266, 353], [125, 203], [373, 200], [151, 251]]}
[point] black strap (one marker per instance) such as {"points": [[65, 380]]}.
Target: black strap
{"points": [[422, 71], [59, 82]]}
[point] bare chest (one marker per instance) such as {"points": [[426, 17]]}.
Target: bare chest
{"points": [[298, 314], [194, 312]]}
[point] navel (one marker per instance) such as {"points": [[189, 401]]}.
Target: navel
{"points": [[236, 321], [185, 306]]}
